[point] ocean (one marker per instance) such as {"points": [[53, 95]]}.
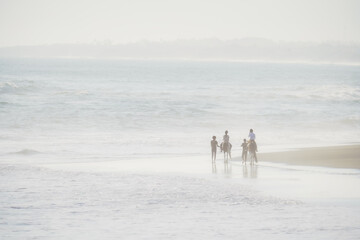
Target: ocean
{"points": [[120, 149], [72, 108]]}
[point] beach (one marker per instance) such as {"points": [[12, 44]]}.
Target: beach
{"points": [[106, 149], [180, 197], [347, 156]]}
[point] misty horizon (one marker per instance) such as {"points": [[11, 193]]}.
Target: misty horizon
{"points": [[110, 111], [249, 39], [245, 49]]}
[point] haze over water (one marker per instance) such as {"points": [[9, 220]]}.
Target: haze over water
{"points": [[97, 148], [120, 149], [103, 108]]}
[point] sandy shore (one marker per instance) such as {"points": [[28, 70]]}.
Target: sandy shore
{"points": [[335, 157]]}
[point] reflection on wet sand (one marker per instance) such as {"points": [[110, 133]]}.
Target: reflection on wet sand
{"points": [[250, 171], [214, 167], [245, 171], [227, 168]]}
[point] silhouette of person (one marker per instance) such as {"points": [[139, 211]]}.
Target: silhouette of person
{"points": [[252, 135], [226, 137], [214, 145], [244, 146]]}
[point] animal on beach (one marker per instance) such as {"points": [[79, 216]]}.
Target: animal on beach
{"points": [[248, 148], [226, 148], [252, 152]]}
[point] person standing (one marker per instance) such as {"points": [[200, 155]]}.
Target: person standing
{"points": [[244, 146], [214, 145]]}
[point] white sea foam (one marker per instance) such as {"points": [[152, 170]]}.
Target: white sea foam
{"points": [[7, 86], [124, 108]]}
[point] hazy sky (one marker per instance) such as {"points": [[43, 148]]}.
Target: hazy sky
{"points": [[30, 22]]}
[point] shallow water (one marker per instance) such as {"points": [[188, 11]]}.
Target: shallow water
{"points": [[177, 198]]}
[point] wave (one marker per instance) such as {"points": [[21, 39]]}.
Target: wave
{"points": [[4, 103], [312, 92], [78, 93], [8, 86], [12, 87], [26, 152]]}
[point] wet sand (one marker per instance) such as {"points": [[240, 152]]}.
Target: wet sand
{"points": [[335, 157], [167, 197]]}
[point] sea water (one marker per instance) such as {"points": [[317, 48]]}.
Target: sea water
{"points": [[100, 149], [106, 108]]}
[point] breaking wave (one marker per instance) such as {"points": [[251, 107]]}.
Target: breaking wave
{"points": [[26, 152]]}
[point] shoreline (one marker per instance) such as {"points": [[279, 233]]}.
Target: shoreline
{"points": [[212, 60], [347, 156]]}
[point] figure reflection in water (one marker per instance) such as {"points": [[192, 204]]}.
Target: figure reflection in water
{"points": [[227, 168], [214, 167], [252, 169], [245, 171]]}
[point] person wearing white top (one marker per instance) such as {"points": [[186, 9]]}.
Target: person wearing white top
{"points": [[226, 137], [252, 135]]}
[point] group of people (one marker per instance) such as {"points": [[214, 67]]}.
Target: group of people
{"points": [[248, 146]]}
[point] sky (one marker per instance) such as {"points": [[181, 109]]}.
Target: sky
{"points": [[38, 22]]}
